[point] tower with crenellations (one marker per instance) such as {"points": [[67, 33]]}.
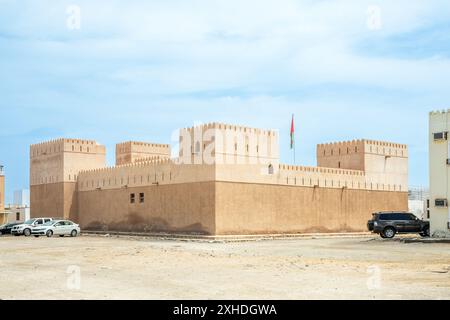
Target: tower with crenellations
{"points": [[219, 143], [383, 162], [54, 168], [131, 151]]}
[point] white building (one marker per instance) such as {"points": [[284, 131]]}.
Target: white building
{"points": [[439, 153]]}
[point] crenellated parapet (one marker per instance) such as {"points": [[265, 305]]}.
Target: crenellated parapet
{"points": [[62, 145]]}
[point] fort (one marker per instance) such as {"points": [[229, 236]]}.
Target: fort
{"points": [[226, 179]]}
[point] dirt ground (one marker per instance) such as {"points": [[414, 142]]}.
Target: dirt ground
{"points": [[96, 267]]}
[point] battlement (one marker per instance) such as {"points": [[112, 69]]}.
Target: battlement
{"points": [[236, 128], [439, 112], [138, 164], [141, 144], [321, 170], [361, 146], [61, 145]]}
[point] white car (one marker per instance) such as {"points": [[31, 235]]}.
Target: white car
{"points": [[26, 227], [57, 227]]}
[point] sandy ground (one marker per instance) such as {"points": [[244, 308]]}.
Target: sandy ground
{"points": [[95, 267]]}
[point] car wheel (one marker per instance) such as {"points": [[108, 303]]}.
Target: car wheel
{"points": [[389, 232], [425, 233], [73, 233], [27, 232], [49, 233]]}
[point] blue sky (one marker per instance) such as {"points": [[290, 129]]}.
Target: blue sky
{"points": [[141, 69]]}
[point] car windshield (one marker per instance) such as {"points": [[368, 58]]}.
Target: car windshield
{"points": [[48, 223], [29, 221]]}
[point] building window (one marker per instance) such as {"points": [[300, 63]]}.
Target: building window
{"points": [[141, 197], [440, 136], [17, 216], [440, 202], [270, 169], [132, 198]]}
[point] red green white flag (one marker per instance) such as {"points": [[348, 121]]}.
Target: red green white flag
{"points": [[292, 133]]}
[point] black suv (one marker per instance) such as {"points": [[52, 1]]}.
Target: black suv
{"points": [[387, 224]]}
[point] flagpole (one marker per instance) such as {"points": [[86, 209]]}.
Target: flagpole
{"points": [[293, 137], [294, 147]]}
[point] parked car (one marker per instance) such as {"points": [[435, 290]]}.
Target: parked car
{"points": [[6, 228], [26, 227], [57, 227], [388, 224]]}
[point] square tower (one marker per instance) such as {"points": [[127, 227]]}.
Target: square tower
{"points": [[131, 151], [54, 168], [218, 143], [383, 163]]}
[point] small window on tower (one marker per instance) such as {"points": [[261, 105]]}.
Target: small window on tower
{"points": [[197, 147], [132, 198], [141, 197]]}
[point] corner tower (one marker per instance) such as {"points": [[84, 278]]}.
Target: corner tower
{"points": [[382, 162], [54, 168]]}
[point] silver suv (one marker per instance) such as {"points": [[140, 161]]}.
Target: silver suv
{"points": [[27, 227]]}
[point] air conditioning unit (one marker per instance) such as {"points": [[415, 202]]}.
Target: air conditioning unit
{"points": [[440, 203], [438, 136]]}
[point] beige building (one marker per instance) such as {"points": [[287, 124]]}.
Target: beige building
{"points": [[2, 196], [439, 154], [17, 213], [227, 179]]}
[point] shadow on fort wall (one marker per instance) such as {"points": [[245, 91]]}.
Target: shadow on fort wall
{"points": [[136, 223]]}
